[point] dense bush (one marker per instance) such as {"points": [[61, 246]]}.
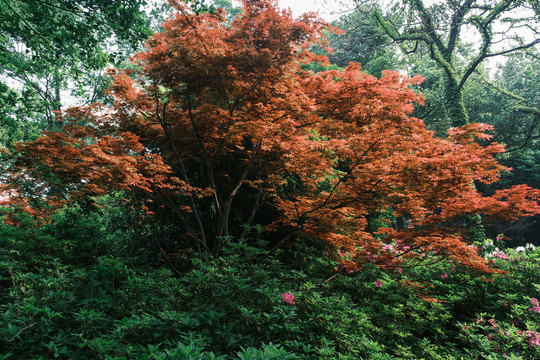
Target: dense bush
{"points": [[67, 292]]}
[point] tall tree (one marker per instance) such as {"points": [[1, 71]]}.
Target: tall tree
{"points": [[441, 26], [219, 117]]}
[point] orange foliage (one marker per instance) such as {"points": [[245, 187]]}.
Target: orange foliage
{"points": [[218, 112]]}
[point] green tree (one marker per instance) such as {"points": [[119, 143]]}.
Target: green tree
{"points": [[440, 28], [507, 101], [48, 46], [362, 41], [515, 91]]}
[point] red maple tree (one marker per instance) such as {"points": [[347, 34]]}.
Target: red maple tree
{"points": [[221, 118]]}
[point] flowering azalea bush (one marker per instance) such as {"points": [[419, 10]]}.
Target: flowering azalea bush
{"points": [[246, 304]]}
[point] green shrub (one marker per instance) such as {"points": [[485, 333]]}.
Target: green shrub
{"points": [[76, 297]]}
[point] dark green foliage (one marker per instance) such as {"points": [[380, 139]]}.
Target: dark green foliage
{"points": [[363, 42], [16, 112], [516, 119], [77, 288], [69, 32]]}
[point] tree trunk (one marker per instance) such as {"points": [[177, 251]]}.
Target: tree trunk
{"points": [[453, 103]]}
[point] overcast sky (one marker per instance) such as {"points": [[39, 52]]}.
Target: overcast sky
{"points": [[328, 9]]}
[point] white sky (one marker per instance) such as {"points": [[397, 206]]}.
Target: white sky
{"points": [[328, 9]]}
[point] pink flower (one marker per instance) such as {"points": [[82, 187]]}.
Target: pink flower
{"points": [[479, 320], [378, 283], [534, 341], [489, 337], [288, 298], [534, 338], [453, 268], [444, 276], [536, 305], [493, 323], [388, 247], [400, 270]]}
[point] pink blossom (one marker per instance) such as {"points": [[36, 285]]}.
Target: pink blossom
{"points": [[288, 298], [378, 283], [479, 320], [388, 247], [444, 276], [400, 270], [493, 323], [489, 337], [453, 268], [536, 305], [534, 338]]}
